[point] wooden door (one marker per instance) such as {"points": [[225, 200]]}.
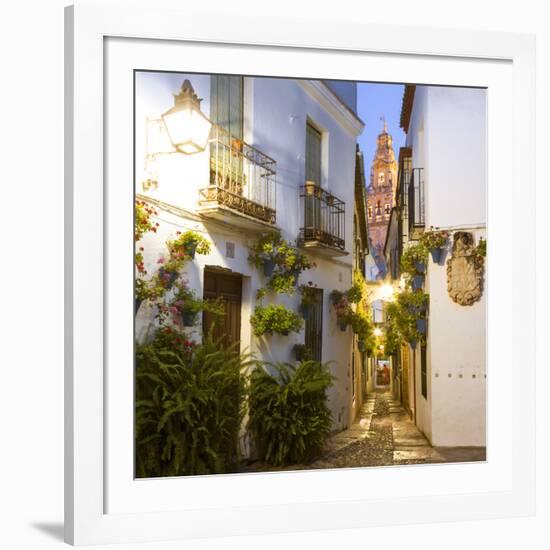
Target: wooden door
{"points": [[226, 287]]}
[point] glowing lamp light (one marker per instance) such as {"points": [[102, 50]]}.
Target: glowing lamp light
{"points": [[386, 292], [187, 127], [377, 332]]}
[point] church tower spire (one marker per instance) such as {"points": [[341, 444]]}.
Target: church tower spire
{"points": [[381, 192]]}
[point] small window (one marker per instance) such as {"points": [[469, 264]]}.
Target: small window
{"points": [[381, 177], [386, 209], [314, 327], [370, 212], [378, 209], [313, 154]]}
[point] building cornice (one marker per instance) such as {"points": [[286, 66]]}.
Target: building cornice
{"points": [[334, 105], [406, 106]]}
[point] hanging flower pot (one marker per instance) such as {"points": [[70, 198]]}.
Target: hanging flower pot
{"points": [[437, 253], [335, 296], [343, 325], [168, 278], [417, 282], [420, 266], [362, 346], [269, 267], [137, 305], [412, 343], [299, 352], [188, 318], [305, 310], [190, 250], [421, 326]]}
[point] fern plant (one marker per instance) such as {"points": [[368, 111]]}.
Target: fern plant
{"points": [[189, 408], [288, 415]]}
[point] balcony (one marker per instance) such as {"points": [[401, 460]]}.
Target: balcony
{"points": [[416, 211], [242, 184], [324, 221]]}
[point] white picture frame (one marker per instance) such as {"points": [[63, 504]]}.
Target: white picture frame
{"points": [[88, 517]]}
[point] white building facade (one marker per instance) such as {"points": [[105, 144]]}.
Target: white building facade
{"points": [[269, 137], [443, 184]]}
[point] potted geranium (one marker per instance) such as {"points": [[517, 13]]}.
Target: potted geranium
{"points": [[301, 353], [264, 252], [435, 242], [342, 309], [188, 244]]}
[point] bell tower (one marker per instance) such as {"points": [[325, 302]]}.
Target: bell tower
{"points": [[381, 193]]}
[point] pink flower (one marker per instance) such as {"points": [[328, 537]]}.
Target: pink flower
{"points": [[161, 261]]}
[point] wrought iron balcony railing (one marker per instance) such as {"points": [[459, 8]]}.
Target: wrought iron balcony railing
{"points": [[417, 219], [242, 178], [324, 218]]}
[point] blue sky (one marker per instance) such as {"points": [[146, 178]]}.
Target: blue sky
{"points": [[373, 102]]}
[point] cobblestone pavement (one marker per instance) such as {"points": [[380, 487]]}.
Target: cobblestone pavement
{"points": [[384, 435]]}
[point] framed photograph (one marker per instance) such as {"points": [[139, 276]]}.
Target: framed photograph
{"points": [[294, 256]]}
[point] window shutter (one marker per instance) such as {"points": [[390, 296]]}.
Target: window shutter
{"points": [[313, 155], [226, 97]]}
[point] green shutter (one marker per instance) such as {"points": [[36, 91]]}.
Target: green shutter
{"points": [[226, 97], [313, 155]]}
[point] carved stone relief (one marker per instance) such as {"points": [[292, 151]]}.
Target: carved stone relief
{"points": [[465, 270]]}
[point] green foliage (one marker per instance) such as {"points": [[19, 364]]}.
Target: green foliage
{"points": [[411, 255], [433, 239], [186, 299], [283, 282], [401, 317], [190, 403], [289, 419], [481, 248], [289, 261], [151, 289], [355, 293], [265, 248], [361, 324], [142, 219], [260, 293], [187, 241], [275, 319]]}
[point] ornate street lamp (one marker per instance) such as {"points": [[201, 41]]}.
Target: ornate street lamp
{"points": [[187, 127]]}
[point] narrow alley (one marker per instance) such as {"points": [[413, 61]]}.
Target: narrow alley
{"points": [[384, 435]]}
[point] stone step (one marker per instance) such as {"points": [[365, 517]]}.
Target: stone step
{"points": [[429, 454]]}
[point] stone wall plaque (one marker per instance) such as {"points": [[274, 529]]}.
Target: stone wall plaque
{"points": [[465, 270]]}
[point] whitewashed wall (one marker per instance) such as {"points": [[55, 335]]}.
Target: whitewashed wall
{"points": [[276, 111], [448, 136]]}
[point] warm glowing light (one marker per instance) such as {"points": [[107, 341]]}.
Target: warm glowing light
{"points": [[386, 292], [187, 127], [377, 332]]}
